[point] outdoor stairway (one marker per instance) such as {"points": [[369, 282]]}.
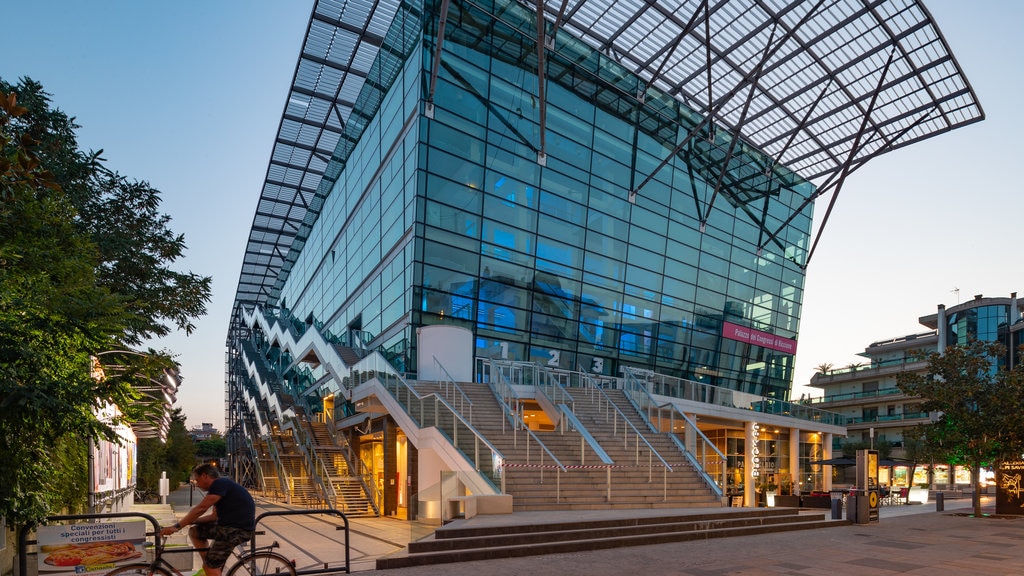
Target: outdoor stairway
{"points": [[535, 484], [462, 541], [348, 489]]}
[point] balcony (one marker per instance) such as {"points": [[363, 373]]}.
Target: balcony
{"points": [[886, 420], [873, 370]]}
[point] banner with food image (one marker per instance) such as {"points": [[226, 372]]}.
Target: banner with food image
{"points": [[94, 547]]}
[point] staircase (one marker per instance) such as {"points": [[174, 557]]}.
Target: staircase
{"points": [[536, 484], [350, 495], [462, 541]]}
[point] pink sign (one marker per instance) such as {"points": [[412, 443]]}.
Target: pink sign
{"points": [[757, 337]]}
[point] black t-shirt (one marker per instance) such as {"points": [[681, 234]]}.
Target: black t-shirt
{"points": [[236, 507]]}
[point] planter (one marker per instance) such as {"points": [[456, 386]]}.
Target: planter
{"points": [[824, 502], [787, 501]]}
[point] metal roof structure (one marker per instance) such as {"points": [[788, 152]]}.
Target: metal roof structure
{"points": [[820, 86]]}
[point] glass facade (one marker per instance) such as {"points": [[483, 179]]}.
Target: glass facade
{"points": [[462, 217], [985, 323]]}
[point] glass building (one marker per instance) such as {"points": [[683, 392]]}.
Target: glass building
{"points": [[452, 219], [609, 185]]}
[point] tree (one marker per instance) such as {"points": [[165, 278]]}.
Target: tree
{"points": [[75, 280], [981, 407], [181, 452], [214, 447], [175, 457]]}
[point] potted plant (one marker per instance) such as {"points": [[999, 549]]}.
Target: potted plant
{"points": [[766, 490], [785, 496]]}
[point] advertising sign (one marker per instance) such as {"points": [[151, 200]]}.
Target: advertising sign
{"points": [[1010, 488], [97, 547], [757, 337]]}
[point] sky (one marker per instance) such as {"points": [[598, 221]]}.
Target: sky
{"points": [[188, 96]]}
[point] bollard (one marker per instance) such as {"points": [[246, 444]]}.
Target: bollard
{"points": [[940, 501]]}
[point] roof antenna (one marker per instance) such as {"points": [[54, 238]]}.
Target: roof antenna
{"points": [[956, 291]]}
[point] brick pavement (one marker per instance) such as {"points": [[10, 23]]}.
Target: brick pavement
{"points": [[908, 540]]}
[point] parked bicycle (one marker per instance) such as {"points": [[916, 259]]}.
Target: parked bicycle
{"points": [[261, 561]]}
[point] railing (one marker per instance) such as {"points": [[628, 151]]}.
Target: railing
{"points": [[674, 387], [629, 432], [376, 493], [349, 455], [856, 396], [256, 459], [282, 474], [799, 411], [570, 423], [551, 386], [568, 420], [901, 363], [433, 410], [318, 468], [428, 411], [512, 410], [450, 387], [705, 456], [555, 396], [888, 418]]}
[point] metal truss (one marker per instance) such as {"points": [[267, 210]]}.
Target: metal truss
{"points": [[816, 86]]}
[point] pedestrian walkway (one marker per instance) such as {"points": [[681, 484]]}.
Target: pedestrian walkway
{"points": [[312, 540], [909, 539]]}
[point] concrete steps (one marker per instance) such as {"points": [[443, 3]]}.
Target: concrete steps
{"points": [[462, 541], [584, 486]]}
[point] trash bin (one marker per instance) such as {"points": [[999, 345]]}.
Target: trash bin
{"points": [[940, 501], [837, 508], [858, 507], [851, 506]]}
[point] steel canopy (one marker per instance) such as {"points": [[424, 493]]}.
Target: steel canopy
{"points": [[820, 86]]}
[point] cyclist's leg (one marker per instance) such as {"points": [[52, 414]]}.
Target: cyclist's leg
{"points": [[224, 540], [200, 534]]}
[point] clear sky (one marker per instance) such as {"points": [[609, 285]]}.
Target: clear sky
{"points": [[188, 96]]}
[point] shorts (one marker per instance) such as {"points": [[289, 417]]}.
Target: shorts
{"points": [[225, 538]]}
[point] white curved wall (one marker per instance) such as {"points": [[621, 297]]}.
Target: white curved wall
{"points": [[453, 348]]}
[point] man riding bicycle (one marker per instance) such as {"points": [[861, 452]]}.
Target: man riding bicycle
{"points": [[231, 520]]}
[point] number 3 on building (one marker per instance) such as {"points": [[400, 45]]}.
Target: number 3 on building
{"points": [[597, 365]]}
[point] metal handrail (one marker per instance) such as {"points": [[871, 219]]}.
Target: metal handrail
{"points": [[405, 395], [319, 468], [646, 404], [628, 425], [282, 474], [374, 366], [450, 384], [586, 438], [504, 392]]}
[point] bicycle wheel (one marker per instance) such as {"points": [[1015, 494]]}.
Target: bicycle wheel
{"points": [[139, 570], [262, 564]]}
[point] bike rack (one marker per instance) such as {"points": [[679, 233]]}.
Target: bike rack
{"points": [[331, 511], [24, 542]]}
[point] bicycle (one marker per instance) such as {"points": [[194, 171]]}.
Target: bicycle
{"points": [[260, 561]]}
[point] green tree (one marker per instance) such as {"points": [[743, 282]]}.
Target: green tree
{"points": [[75, 280], [152, 453], [214, 447], [981, 406], [181, 452]]}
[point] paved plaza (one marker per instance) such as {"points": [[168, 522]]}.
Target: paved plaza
{"points": [[909, 540]]}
